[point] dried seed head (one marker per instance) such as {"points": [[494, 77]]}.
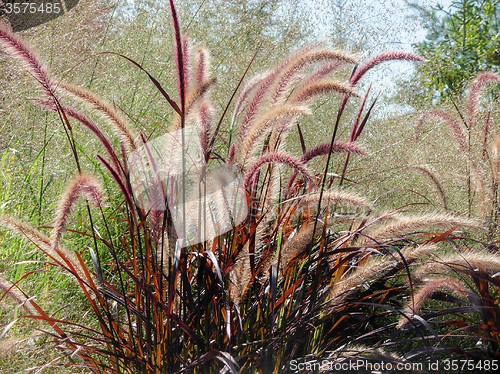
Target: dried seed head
{"points": [[81, 186], [414, 306], [477, 86], [17, 48], [121, 128]]}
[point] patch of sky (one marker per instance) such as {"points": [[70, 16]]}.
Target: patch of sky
{"points": [[371, 27]]}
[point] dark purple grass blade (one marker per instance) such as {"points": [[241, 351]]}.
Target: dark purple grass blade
{"points": [[365, 119], [355, 123], [301, 138], [179, 59], [119, 180], [216, 132], [172, 103]]}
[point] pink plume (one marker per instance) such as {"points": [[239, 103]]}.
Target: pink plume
{"points": [[281, 158], [454, 126], [477, 86], [81, 186], [16, 47], [374, 61]]}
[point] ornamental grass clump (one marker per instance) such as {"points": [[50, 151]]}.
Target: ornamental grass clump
{"points": [[476, 139], [217, 249]]}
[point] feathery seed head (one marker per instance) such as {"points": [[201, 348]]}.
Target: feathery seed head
{"points": [[267, 123], [411, 223], [81, 186], [201, 65], [323, 149], [333, 197], [426, 291], [17, 48], [304, 94], [477, 86], [459, 262], [374, 61], [291, 71], [121, 128], [454, 126], [282, 158], [495, 160], [11, 290]]}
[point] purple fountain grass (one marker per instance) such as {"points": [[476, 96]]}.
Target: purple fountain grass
{"points": [[323, 149], [426, 291], [17, 48], [19, 297], [240, 276], [201, 65], [417, 222], [290, 74], [203, 109], [179, 59], [266, 124], [121, 128], [294, 246], [495, 160], [29, 232], [360, 275], [282, 158], [315, 89], [477, 87], [81, 186], [261, 90], [333, 196], [459, 261], [483, 193], [320, 73], [256, 90], [162, 307], [204, 121], [373, 62], [486, 132], [454, 126], [231, 154], [245, 93], [186, 52], [198, 93], [58, 254], [383, 57]]}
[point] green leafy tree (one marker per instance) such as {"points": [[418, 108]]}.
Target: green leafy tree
{"points": [[460, 42]]}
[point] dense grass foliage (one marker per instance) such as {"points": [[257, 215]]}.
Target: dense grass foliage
{"points": [[312, 271]]}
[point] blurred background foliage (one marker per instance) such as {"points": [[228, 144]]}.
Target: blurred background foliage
{"points": [[461, 41]]}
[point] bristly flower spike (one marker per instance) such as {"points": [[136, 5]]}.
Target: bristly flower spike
{"points": [[454, 126], [374, 61], [477, 86], [281, 158], [383, 57], [16, 47], [81, 186]]}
